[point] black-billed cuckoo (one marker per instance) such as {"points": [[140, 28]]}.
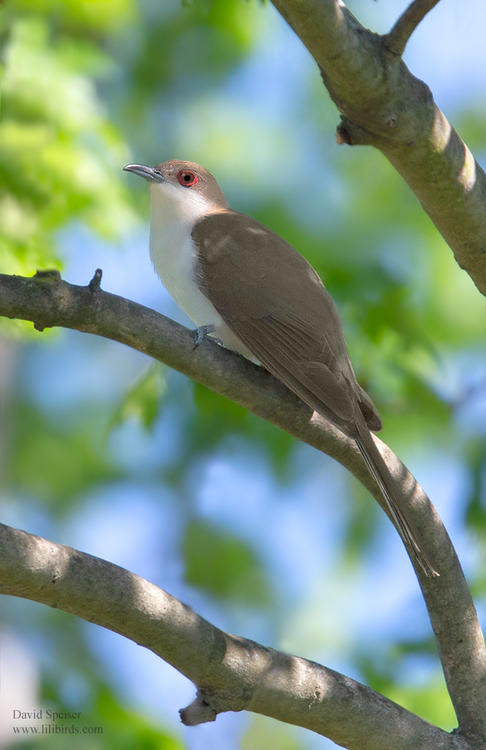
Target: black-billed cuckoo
{"points": [[244, 285]]}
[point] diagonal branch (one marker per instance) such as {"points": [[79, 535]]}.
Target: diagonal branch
{"points": [[396, 40], [231, 673], [382, 104], [48, 301]]}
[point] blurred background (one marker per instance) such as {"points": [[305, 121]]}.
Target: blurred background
{"points": [[105, 451]]}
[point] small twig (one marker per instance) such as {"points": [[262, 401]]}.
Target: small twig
{"points": [[396, 40], [95, 282]]}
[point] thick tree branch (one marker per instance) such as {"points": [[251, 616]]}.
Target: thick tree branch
{"points": [[231, 673], [384, 105], [396, 40], [48, 301]]}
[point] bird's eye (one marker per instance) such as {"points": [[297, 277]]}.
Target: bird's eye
{"points": [[187, 178]]}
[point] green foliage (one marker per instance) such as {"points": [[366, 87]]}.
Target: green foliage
{"points": [[143, 400], [127, 728], [361, 530], [263, 734], [429, 700], [59, 155], [223, 565], [105, 724], [90, 17], [57, 461], [219, 415]]}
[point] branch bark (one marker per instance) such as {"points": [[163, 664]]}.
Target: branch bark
{"points": [[382, 104], [396, 40], [231, 673], [48, 301]]}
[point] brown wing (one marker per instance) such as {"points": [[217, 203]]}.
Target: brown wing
{"points": [[279, 308]]}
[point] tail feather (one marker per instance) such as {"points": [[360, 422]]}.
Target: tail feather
{"points": [[379, 470]]}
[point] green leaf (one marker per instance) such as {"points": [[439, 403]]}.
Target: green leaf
{"points": [[57, 461], [59, 156], [105, 723], [143, 400], [224, 565]]}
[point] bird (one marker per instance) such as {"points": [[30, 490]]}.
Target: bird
{"points": [[245, 286]]}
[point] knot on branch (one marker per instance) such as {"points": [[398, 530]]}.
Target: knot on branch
{"points": [[210, 702], [50, 276], [47, 280], [199, 711], [351, 134]]}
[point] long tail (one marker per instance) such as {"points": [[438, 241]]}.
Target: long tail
{"points": [[380, 472]]}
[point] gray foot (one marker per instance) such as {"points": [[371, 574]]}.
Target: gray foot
{"points": [[200, 334]]}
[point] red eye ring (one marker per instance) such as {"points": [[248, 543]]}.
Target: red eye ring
{"points": [[186, 178]]}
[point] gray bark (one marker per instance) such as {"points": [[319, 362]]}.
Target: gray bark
{"points": [[231, 673], [48, 301], [382, 104]]}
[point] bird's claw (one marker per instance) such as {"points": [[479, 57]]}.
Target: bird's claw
{"points": [[200, 334]]}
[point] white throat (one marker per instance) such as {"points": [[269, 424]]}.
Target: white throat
{"points": [[172, 249], [174, 255]]}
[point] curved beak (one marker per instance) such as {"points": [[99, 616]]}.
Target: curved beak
{"points": [[148, 173]]}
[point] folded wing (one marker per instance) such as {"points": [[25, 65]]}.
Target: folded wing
{"points": [[279, 308]]}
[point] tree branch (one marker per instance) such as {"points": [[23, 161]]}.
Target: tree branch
{"points": [[396, 40], [48, 301], [382, 104], [231, 673]]}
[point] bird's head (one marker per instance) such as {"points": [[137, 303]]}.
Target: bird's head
{"points": [[183, 183]]}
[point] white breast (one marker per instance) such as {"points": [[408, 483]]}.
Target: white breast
{"points": [[174, 255], [173, 252]]}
